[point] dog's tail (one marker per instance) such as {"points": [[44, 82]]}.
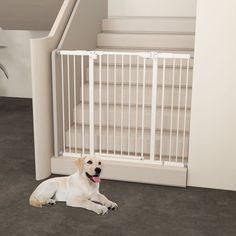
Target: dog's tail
{"points": [[33, 201]]}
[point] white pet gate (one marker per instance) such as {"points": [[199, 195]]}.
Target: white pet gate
{"points": [[123, 105]]}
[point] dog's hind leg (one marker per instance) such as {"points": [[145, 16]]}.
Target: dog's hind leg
{"points": [[44, 194], [51, 202]]}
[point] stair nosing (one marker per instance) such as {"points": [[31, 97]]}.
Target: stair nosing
{"points": [[147, 32], [111, 127], [139, 84], [145, 49], [166, 33], [126, 65], [149, 17], [125, 153], [139, 105]]}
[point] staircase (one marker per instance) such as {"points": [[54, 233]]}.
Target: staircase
{"points": [[163, 34]]}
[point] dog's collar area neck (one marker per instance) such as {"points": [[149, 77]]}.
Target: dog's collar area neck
{"points": [[93, 178]]}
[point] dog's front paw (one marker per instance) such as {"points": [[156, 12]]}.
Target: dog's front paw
{"points": [[101, 210], [113, 206]]}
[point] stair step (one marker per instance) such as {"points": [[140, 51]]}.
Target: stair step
{"points": [[70, 142], [133, 101], [150, 25], [149, 63], [144, 40], [147, 116], [134, 62], [133, 78], [147, 49], [168, 108]]}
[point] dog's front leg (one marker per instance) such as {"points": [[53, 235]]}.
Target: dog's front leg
{"points": [[98, 197], [87, 204]]}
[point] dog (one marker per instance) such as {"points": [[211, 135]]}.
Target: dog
{"points": [[78, 190]]}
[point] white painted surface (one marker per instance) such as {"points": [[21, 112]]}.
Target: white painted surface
{"points": [[152, 8], [147, 172], [28, 14], [150, 24], [213, 127], [155, 41], [41, 51], [80, 33], [16, 59]]}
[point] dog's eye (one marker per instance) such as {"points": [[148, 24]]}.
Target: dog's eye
{"points": [[99, 163], [90, 162]]}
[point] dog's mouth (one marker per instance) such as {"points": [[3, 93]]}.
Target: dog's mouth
{"points": [[94, 178]]}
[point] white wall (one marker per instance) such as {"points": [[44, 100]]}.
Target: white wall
{"points": [[28, 14], [152, 8], [16, 59], [213, 127]]}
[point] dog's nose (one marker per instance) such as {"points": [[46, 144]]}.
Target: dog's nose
{"points": [[98, 170]]}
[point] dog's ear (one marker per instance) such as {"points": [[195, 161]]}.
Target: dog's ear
{"points": [[80, 164]]}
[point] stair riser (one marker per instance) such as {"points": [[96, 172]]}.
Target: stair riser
{"points": [[133, 100], [148, 78], [165, 149], [145, 41], [147, 117], [162, 24]]}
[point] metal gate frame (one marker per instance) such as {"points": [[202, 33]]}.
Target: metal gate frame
{"points": [[59, 109]]}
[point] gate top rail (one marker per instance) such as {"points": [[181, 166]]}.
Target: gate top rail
{"points": [[148, 55]]}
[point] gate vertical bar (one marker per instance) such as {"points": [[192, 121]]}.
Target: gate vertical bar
{"points": [[69, 98], [100, 104], [91, 102], [75, 106], [63, 101], [162, 107], [178, 115], [172, 109], [129, 105], [143, 106], [82, 100], [136, 109], [122, 104], [114, 115], [154, 104], [185, 110], [108, 103]]}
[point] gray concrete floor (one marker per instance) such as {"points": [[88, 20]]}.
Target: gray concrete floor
{"points": [[143, 209]]}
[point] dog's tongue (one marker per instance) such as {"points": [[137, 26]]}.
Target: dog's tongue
{"points": [[96, 179]]}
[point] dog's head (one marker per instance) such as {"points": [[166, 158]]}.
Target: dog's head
{"points": [[91, 167]]}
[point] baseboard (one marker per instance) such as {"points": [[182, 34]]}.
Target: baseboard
{"points": [[124, 170]]}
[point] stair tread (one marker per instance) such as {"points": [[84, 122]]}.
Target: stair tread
{"points": [[153, 24], [146, 32], [134, 65], [125, 128], [115, 112], [167, 100], [133, 84], [145, 40], [146, 49], [131, 49], [149, 63], [86, 103], [146, 156], [149, 17]]}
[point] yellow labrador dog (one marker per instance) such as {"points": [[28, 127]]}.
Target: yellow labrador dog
{"points": [[78, 190]]}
